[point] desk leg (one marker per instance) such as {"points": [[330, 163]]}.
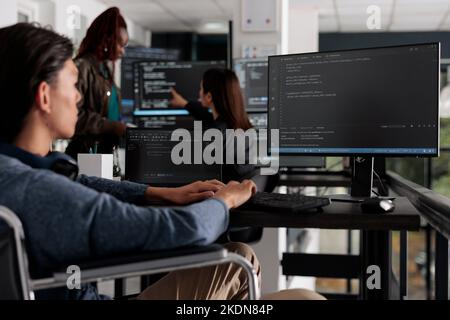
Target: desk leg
{"points": [[441, 275], [349, 252], [403, 264], [375, 251], [428, 233]]}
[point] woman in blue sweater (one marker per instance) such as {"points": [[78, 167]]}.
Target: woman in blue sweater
{"points": [[69, 220]]}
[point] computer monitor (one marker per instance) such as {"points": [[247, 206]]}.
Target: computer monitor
{"points": [[362, 103], [132, 55], [252, 74], [153, 81], [148, 160], [259, 121]]}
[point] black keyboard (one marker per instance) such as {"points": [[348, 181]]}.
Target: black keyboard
{"points": [[284, 202]]}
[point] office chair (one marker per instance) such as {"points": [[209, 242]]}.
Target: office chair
{"points": [[16, 283]]}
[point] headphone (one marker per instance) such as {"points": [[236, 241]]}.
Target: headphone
{"points": [[57, 162]]}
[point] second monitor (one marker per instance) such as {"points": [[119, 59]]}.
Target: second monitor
{"points": [[252, 74], [377, 101], [153, 81]]}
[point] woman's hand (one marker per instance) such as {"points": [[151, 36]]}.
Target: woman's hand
{"points": [[177, 101], [235, 194], [194, 192]]}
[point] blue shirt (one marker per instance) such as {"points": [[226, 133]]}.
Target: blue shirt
{"points": [[67, 221], [113, 105], [113, 100]]}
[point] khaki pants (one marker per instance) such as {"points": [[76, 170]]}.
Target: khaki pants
{"points": [[221, 282]]}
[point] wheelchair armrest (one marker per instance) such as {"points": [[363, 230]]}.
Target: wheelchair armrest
{"points": [[130, 265], [212, 249]]}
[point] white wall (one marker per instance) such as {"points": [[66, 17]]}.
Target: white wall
{"points": [[61, 15], [300, 27], [91, 9], [46, 13], [241, 38], [57, 14], [138, 34], [64, 9], [8, 12]]}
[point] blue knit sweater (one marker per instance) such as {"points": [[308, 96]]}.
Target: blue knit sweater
{"points": [[67, 221]]}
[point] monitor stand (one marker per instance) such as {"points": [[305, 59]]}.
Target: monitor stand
{"points": [[361, 183]]}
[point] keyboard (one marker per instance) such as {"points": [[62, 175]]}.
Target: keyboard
{"points": [[284, 202]]}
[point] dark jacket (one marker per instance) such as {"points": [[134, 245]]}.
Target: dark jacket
{"points": [[236, 172], [92, 123]]}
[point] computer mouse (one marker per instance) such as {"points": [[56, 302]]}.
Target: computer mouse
{"points": [[377, 205]]}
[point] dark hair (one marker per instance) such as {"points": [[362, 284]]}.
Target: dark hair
{"points": [[103, 33], [223, 85], [29, 55]]}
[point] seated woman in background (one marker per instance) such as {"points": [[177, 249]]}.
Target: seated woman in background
{"points": [[221, 106]]}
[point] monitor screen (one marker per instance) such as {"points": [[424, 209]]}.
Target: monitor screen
{"points": [[378, 101], [148, 160], [259, 121], [132, 55], [252, 74], [153, 81]]}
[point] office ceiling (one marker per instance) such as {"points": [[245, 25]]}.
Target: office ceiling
{"points": [[396, 15], [177, 15], [334, 15]]}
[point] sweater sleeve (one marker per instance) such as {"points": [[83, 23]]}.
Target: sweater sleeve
{"points": [[66, 221], [199, 112], [123, 190]]}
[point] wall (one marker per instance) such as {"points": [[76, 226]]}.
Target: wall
{"points": [[56, 13], [8, 12], [241, 38], [60, 14], [46, 13], [300, 28]]}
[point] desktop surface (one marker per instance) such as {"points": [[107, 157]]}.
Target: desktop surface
{"points": [[337, 215]]}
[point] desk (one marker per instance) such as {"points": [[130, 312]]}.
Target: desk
{"points": [[376, 237], [314, 179]]}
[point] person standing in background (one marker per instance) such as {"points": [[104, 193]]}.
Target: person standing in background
{"points": [[99, 128], [221, 106]]}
